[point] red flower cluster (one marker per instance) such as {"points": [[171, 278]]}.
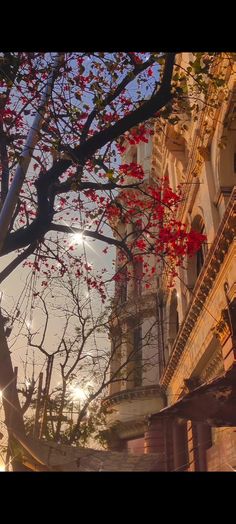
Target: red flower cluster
{"points": [[195, 241], [132, 170], [138, 134]]}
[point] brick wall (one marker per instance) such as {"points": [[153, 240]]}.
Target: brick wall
{"points": [[135, 446], [222, 455]]}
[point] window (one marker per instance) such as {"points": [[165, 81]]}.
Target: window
{"points": [[173, 317], [137, 358], [226, 156], [200, 260], [134, 157], [121, 286], [148, 148], [137, 229], [123, 292], [177, 321], [115, 363], [138, 275], [201, 253], [196, 262]]}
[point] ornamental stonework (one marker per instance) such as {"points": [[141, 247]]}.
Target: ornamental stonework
{"points": [[214, 368], [222, 328]]}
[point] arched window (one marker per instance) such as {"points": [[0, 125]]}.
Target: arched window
{"points": [[115, 361], [134, 157], [173, 318], [226, 169], [200, 255], [131, 155], [138, 263], [137, 229], [121, 286], [196, 262], [167, 178], [138, 275], [137, 356]]}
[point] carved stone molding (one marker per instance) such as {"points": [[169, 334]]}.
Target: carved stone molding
{"points": [[214, 259], [222, 328], [205, 152], [214, 367], [197, 166], [131, 394], [124, 431]]}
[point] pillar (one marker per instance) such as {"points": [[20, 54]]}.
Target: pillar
{"points": [[180, 449], [204, 442], [155, 440]]}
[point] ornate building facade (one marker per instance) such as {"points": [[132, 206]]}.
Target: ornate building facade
{"points": [[134, 340], [194, 323]]}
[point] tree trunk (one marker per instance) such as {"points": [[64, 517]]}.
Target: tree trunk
{"points": [[13, 415]]}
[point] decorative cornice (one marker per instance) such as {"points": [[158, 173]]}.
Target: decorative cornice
{"points": [[200, 143], [205, 152], [204, 284], [133, 394], [132, 428], [126, 430]]}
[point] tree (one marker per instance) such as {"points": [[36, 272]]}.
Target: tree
{"points": [[64, 121], [71, 339], [84, 112]]}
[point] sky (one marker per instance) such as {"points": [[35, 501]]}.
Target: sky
{"points": [[13, 286]]}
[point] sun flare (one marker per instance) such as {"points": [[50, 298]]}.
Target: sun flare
{"points": [[77, 239], [78, 393]]}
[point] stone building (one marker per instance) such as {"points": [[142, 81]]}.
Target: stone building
{"points": [[195, 326], [134, 340]]}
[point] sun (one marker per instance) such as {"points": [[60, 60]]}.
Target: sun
{"points": [[78, 393], [77, 239]]}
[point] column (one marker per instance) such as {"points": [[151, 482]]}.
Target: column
{"points": [[155, 442], [204, 442], [180, 446]]}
